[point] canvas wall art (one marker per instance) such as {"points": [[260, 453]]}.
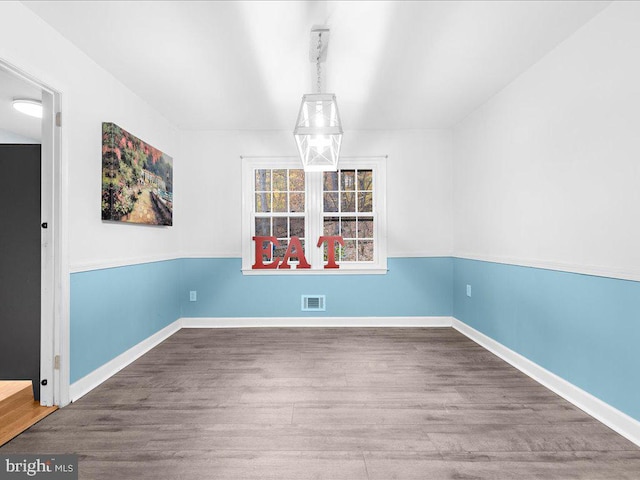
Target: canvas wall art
{"points": [[137, 179]]}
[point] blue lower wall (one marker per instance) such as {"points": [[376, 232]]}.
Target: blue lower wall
{"points": [[583, 328], [116, 308], [412, 287]]}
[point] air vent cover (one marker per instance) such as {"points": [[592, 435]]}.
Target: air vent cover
{"points": [[313, 303]]}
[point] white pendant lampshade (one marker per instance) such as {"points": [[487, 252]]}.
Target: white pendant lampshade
{"points": [[318, 132]]}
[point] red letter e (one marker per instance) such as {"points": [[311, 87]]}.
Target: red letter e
{"points": [[261, 250]]}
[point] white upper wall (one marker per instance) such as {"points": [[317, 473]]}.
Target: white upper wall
{"points": [[419, 187], [7, 136], [547, 173], [207, 165], [90, 96]]}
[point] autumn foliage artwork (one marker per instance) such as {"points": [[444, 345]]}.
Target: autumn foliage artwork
{"points": [[137, 179]]}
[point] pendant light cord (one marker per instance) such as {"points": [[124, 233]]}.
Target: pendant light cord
{"points": [[318, 67]]}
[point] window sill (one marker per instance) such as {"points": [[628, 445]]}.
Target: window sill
{"points": [[311, 271]]}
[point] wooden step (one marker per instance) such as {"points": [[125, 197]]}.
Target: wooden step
{"points": [[14, 393], [18, 410]]}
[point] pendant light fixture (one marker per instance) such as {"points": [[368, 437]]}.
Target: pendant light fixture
{"points": [[318, 131]]}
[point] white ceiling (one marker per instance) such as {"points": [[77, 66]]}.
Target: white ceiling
{"points": [[16, 127], [245, 65]]}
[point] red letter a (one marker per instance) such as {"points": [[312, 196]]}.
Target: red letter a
{"points": [[294, 242]]}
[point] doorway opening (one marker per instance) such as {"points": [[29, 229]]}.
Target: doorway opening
{"points": [[33, 313]]}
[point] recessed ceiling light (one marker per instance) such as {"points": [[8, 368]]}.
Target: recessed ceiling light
{"points": [[30, 107]]}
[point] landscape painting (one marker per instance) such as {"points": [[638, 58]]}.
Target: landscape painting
{"points": [[137, 179]]}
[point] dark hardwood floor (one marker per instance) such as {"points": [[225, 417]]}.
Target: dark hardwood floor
{"points": [[328, 404]]}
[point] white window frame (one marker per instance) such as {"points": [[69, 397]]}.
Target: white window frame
{"points": [[314, 216]]}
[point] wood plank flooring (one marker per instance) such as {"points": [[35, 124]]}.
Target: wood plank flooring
{"points": [[18, 410], [328, 404]]}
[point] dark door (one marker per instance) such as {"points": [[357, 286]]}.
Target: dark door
{"points": [[20, 264]]}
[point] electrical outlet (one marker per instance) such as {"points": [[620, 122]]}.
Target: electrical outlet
{"points": [[193, 296], [468, 290]]}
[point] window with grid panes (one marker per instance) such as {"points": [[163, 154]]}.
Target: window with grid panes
{"points": [[281, 201], [348, 212], [279, 206]]}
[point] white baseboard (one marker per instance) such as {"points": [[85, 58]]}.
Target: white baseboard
{"points": [[610, 416], [212, 322], [89, 382]]}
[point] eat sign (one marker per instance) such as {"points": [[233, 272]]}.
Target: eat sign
{"points": [[264, 246]]}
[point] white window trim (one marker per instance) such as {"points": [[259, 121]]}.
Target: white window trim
{"points": [[313, 189]]}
